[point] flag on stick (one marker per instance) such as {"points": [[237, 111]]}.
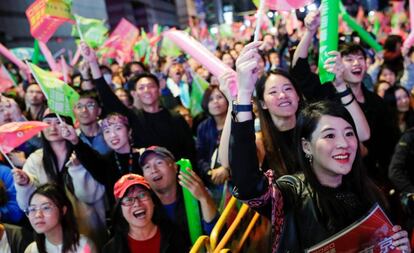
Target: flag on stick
{"points": [[93, 31], [6, 80], [13, 134], [61, 98]]}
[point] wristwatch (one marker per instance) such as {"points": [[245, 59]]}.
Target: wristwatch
{"points": [[241, 108]]}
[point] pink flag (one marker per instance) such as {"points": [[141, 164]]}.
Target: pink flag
{"points": [[15, 133], [45, 17], [6, 81], [123, 38]]}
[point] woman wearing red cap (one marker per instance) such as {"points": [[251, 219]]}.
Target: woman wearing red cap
{"points": [[139, 222]]}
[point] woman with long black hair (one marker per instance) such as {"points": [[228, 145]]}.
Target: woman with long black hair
{"points": [[330, 193], [53, 219], [54, 163]]}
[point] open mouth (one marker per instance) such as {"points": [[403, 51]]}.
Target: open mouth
{"points": [[114, 142], [156, 178], [342, 158], [357, 71], [285, 104], [139, 213]]}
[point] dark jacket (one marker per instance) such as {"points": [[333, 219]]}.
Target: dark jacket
{"points": [[291, 205], [18, 238], [206, 144], [383, 132], [401, 170], [164, 128], [171, 242]]}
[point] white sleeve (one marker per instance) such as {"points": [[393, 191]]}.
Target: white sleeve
{"points": [[86, 188]]}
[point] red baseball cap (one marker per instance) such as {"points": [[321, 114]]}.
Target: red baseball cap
{"points": [[126, 181]]}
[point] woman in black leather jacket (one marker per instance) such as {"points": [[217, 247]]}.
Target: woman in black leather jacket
{"points": [[333, 190]]}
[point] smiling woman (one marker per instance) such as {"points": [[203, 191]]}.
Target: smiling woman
{"points": [[140, 225]]}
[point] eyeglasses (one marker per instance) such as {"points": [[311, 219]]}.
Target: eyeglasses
{"points": [[129, 201], [89, 106], [45, 208]]}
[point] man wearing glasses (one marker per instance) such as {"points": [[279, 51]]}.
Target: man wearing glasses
{"points": [[87, 111]]}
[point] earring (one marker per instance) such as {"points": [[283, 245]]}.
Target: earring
{"points": [[309, 157]]}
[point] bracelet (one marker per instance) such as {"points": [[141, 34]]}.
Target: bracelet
{"points": [[344, 93], [352, 100]]}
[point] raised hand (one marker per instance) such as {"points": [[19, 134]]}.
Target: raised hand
{"points": [[247, 68], [312, 21], [87, 53], [20, 177], [334, 65], [193, 183], [69, 133], [226, 81]]}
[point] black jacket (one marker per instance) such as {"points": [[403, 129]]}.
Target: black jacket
{"points": [[401, 170], [384, 135], [171, 242], [302, 226], [164, 128]]}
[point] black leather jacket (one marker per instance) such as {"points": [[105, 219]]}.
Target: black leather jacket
{"points": [[301, 227]]}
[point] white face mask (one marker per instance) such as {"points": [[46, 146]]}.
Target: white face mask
{"points": [[108, 78]]}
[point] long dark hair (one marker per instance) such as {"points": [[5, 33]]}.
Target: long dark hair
{"points": [[120, 224], [280, 159], [391, 100], [67, 220], [50, 161], [207, 95], [331, 212]]}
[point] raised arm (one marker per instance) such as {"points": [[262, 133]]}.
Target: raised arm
{"points": [[334, 64], [110, 101], [225, 80], [249, 181], [312, 21]]}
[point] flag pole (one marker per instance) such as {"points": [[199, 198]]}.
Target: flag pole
{"points": [[44, 93], [260, 11], [7, 158], [78, 28]]}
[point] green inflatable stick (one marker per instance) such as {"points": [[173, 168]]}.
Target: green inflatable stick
{"points": [[191, 206], [328, 36], [364, 35]]}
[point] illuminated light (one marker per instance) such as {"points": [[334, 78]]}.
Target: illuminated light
{"points": [[214, 30], [371, 13], [270, 14], [302, 9], [273, 30], [312, 7]]}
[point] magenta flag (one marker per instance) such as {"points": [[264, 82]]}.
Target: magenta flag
{"points": [[14, 134]]}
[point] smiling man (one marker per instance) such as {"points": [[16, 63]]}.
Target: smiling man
{"points": [[87, 111], [160, 170]]}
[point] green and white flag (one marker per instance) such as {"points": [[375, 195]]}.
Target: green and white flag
{"points": [[61, 98], [94, 31]]}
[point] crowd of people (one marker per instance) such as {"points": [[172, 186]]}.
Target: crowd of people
{"points": [[311, 158]]}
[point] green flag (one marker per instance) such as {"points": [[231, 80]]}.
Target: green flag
{"points": [[61, 98], [169, 48], [93, 30], [199, 85]]}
